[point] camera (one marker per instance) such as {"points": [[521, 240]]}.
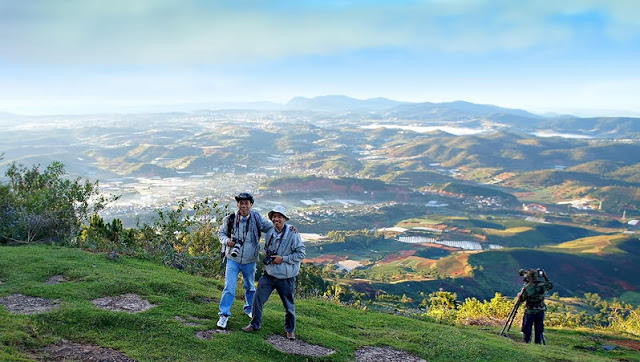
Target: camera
{"points": [[526, 273], [268, 259], [236, 249]]}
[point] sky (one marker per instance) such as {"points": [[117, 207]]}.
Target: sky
{"points": [[564, 56]]}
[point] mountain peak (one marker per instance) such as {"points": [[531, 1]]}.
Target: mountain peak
{"points": [[340, 103]]}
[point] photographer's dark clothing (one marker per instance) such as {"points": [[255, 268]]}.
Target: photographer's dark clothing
{"points": [[532, 296], [281, 277], [528, 322]]}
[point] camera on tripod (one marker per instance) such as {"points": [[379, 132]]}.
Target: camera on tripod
{"points": [[532, 273]]}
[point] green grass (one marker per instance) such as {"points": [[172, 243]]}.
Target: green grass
{"points": [[156, 335]]}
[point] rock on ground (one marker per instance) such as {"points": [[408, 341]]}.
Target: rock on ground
{"points": [[387, 354], [130, 303], [69, 351], [296, 346], [22, 304], [56, 279], [210, 333]]}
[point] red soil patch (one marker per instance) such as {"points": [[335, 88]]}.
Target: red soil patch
{"points": [[457, 267], [325, 258], [398, 256], [422, 262], [627, 343], [625, 285]]}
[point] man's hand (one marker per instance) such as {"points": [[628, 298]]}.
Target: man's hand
{"points": [[230, 242], [277, 259]]}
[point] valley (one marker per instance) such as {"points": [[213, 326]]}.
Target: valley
{"points": [[397, 200]]}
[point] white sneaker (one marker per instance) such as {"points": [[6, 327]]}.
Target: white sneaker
{"points": [[250, 315], [222, 322]]}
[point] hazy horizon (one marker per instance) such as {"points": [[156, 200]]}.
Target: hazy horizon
{"points": [[221, 106]]}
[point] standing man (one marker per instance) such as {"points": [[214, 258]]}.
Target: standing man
{"points": [[284, 251], [239, 235], [532, 295]]}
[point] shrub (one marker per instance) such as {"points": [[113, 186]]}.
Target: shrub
{"points": [[185, 239], [492, 312], [99, 235], [442, 307], [629, 323], [44, 205]]}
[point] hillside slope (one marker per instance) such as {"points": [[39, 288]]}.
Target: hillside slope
{"points": [[159, 334]]}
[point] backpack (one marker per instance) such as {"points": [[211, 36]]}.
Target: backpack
{"points": [[223, 250]]}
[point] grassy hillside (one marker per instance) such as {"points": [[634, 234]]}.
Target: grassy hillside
{"points": [[156, 334]]}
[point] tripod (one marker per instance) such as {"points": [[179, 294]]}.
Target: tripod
{"points": [[512, 315]]}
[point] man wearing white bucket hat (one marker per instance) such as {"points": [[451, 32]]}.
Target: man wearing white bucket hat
{"points": [[284, 251]]}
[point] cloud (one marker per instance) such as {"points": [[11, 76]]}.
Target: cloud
{"points": [[183, 32]]}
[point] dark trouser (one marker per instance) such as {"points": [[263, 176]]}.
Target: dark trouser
{"points": [[285, 288], [529, 320]]}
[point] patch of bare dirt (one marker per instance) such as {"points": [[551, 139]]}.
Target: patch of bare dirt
{"points": [[69, 351], [130, 303], [22, 304], [210, 333], [387, 354], [56, 279], [483, 321], [191, 321], [296, 346]]}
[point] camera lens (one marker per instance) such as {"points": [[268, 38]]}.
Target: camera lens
{"points": [[234, 251]]}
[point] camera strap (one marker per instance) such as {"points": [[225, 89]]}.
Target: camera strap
{"points": [[268, 244], [246, 225]]}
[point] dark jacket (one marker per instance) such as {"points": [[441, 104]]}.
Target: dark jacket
{"points": [[533, 294]]}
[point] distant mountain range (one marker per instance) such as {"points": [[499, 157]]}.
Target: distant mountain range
{"points": [[329, 104], [338, 108]]}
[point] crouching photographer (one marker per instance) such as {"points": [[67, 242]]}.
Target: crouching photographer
{"points": [[532, 295], [284, 251]]}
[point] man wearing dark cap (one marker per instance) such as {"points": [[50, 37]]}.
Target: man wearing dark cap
{"points": [[239, 235], [284, 251]]}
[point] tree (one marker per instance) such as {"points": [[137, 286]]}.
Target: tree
{"points": [[46, 205]]}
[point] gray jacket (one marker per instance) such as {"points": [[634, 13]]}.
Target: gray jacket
{"points": [[244, 229], [290, 247]]}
